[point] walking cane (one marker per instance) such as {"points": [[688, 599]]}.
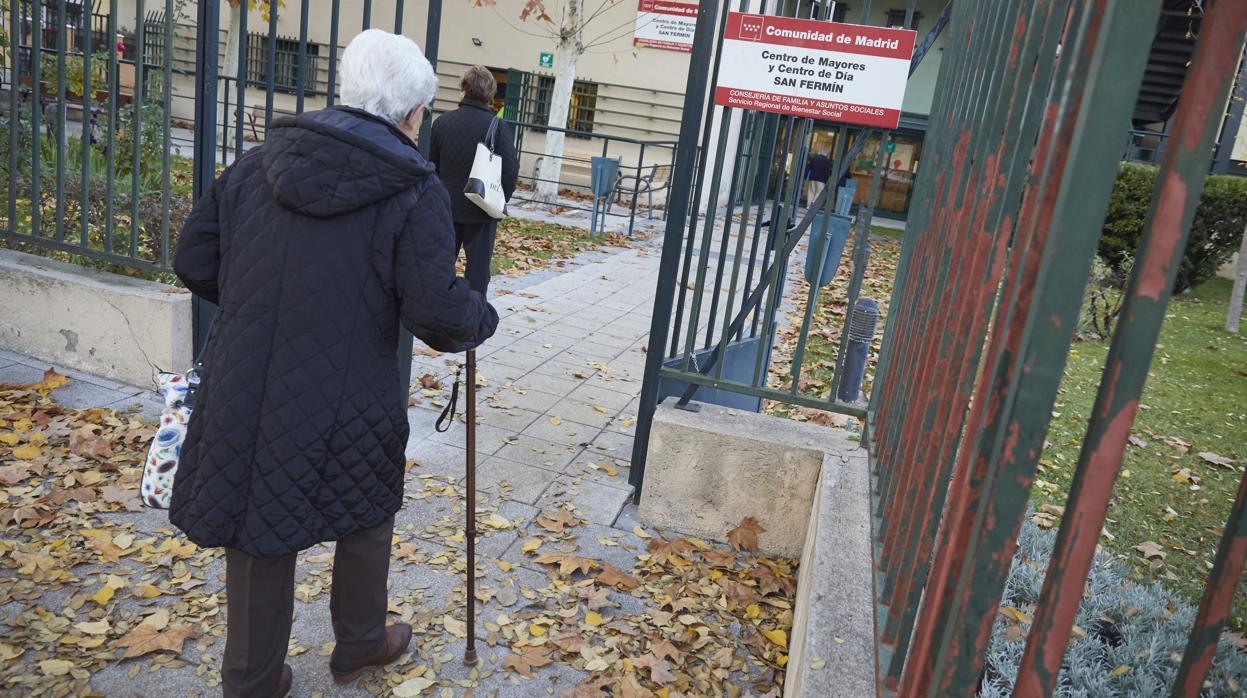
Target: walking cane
{"points": [[469, 654]]}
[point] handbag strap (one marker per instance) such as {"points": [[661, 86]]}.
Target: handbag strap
{"points": [[489, 135], [447, 417]]}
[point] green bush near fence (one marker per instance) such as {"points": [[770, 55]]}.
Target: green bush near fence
{"points": [[1215, 233]]}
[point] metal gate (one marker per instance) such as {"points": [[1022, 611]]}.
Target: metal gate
{"points": [[724, 269], [994, 265], [1032, 114]]}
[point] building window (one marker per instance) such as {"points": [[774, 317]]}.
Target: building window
{"points": [[580, 113], [896, 19], [285, 67], [813, 9]]}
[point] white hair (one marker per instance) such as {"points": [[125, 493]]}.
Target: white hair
{"points": [[386, 75]]}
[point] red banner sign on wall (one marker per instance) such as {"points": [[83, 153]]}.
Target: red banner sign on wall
{"points": [[665, 24]]}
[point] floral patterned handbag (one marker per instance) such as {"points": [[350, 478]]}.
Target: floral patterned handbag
{"points": [[161, 466]]}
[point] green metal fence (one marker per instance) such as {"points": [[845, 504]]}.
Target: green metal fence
{"points": [[996, 257]]}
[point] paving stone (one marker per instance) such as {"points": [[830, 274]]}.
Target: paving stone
{"points": [[489, 438], [20, 374], [566, 432], [513, 420], [595, 416], [505, 364], [527, 482], [81, 395], [597, 503], [146, 405], [552, 385], [590, 466], [8, 357], [539, 452], [436, 458], [566, 368], [611, 444], [532, 400], [598, 395]]}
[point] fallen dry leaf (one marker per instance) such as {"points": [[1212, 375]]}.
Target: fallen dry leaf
{"points": [[527, 659], [1151, 549], [745, 536]]}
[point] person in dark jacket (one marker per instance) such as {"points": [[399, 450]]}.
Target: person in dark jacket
{"points": [[452, 150], [316, 246]]}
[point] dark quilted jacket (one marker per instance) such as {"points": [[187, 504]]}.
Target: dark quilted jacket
{"points": [[453, 148], [315, 245]]}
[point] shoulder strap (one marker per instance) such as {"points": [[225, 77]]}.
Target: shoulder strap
{"points": [[489, 135]]}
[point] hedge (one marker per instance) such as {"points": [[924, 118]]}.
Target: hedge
{"points": [[1215, 233]]}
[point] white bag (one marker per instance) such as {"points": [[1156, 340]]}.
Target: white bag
{"points": [[484, 186]]}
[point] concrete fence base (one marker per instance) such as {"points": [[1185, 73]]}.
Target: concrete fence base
{"points": [[809, 487], [105, 324]]}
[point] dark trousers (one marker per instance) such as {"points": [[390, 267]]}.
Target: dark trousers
{"points": [[478, 240], [260, 594]]}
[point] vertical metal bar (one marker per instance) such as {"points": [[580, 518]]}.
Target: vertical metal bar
{"points": [[366, 24], [166, 164], [432, 33], [272, 68], [15, 71], [748, 120], [62, 137], [207, 57], [636, 191], [691, 210], [335, 9], [240, 84], [88, 128], [811, 300], [398, 17], [678, 201], [36, 114], [301, 89], [114, 86], [136, 164], [1179, 185], [1218, 598]]}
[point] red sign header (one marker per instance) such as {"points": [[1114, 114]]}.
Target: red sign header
{"points": [[821, 36]]}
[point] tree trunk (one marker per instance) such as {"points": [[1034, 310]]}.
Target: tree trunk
{"points": [[230, 69], [570, 47], [1235, 313]]}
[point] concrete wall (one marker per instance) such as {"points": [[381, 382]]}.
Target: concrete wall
{"points": [[108, 325], [708, 470]]}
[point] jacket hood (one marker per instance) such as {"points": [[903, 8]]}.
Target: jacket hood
{"points": [[335, 161]]}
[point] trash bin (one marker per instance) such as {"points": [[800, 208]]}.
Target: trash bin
{"points": [[827, 238], [604, 172]]}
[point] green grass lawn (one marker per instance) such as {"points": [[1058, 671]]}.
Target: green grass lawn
{"points": [[1195, 402]]}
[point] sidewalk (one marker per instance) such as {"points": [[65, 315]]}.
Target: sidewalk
{"points": [[568, 591]]}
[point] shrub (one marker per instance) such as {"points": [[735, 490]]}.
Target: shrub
{"points": [[1141, 628], [1103, 299], [1215, 232]]}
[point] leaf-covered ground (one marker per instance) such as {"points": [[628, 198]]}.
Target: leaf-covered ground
{"points": [[98, 597], [819, 361], [524, 245]]}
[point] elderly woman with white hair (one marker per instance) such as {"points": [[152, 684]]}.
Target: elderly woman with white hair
{"points": [[316, 246]]}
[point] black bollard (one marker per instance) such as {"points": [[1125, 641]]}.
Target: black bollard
{"points": [[861, 334]]}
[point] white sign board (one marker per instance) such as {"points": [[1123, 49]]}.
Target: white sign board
{"points": [[825, 70], [665, 24]]}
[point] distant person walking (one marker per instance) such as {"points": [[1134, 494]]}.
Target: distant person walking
{"points": [[817, 172], [452, 151]]}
